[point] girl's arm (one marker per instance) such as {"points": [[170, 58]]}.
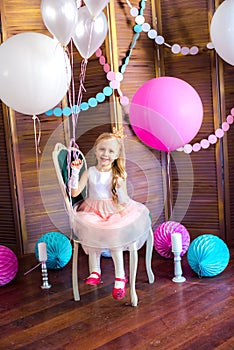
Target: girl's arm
{"points": [[121, 190], [77, 185]]}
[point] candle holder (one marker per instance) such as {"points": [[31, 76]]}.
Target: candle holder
{"points": [[45, 284], [42, 251], [176, 240], [177, 268]]}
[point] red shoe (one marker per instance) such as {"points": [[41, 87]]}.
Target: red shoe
{"points": [[93, 280], [119, 293]]}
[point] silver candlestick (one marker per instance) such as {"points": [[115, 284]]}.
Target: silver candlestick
{"points": [[42, 252]]}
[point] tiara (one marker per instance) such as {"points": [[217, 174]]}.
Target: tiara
{"points": [[119, 133]]}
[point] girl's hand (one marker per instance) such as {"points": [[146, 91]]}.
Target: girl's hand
{"points": [[119, 181], [77, 164]]}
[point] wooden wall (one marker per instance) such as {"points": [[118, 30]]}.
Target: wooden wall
{"points": [[209, 209], [201, 183], [179, 22]]}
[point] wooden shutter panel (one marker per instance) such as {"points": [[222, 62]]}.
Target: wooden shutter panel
{"points": [[9, 225]]}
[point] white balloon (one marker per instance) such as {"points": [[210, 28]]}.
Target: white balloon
{"points": [[222, 31], [89, 32], [60, 18], [35, 73], [96, 6]]}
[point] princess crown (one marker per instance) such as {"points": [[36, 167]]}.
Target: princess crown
{"points": [[119, 133]]}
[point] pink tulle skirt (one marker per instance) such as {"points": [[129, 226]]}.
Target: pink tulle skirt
{"points": [[101, 224]]}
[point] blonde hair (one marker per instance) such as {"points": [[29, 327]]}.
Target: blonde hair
{"points": [[118, 166]]}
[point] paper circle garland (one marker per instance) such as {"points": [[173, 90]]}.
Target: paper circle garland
{"points": [[8, 265], [212, 138], [162, 238], [208, 255], [59, 249]]}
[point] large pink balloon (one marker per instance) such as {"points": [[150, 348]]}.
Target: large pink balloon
{"points": [[166, 113]]}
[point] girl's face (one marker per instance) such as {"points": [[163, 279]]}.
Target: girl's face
{"points": [[106, 152]]}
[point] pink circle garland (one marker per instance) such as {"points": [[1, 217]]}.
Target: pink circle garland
{"points": [[213, 138], [114, 78], [159, 39]]}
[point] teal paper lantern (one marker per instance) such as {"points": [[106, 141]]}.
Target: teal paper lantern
{"points": [[59, 249], [208, 255]]}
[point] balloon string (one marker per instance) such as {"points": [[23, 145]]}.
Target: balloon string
{"points": [[169, 182], [72, 150], [71, 98], [80, 93], [75, 152], [37, 137], [83, 67], [71, 90]]}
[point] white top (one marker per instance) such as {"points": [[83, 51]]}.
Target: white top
{"points": [[99, 183]]}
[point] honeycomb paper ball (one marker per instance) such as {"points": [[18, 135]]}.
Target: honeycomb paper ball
{"points": [[208, 255], [59, 249], [162, 238], [8, 265]]}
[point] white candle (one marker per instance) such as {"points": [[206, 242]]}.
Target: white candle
{"points": [[42, 252], [176, 241]]}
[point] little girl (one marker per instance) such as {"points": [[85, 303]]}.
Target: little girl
{"points": [[108, 218]]}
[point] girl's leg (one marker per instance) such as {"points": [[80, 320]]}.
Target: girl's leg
{"points": [[120, 280], [94, 268]]}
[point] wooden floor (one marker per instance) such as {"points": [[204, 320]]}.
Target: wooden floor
{"points": [[197, 314]]}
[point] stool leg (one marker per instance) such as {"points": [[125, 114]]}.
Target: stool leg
{"points": [[75, 287], [148, 256], [133, 269]]}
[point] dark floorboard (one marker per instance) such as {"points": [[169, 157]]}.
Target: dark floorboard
{"points": [[196, 314]]}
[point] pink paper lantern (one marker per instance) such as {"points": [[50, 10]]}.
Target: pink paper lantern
{"points": [[166, 113], [162, 238], [8, 265]]}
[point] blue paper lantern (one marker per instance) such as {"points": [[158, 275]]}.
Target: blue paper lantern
{"points": [[59, 249], [208, 255]]}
